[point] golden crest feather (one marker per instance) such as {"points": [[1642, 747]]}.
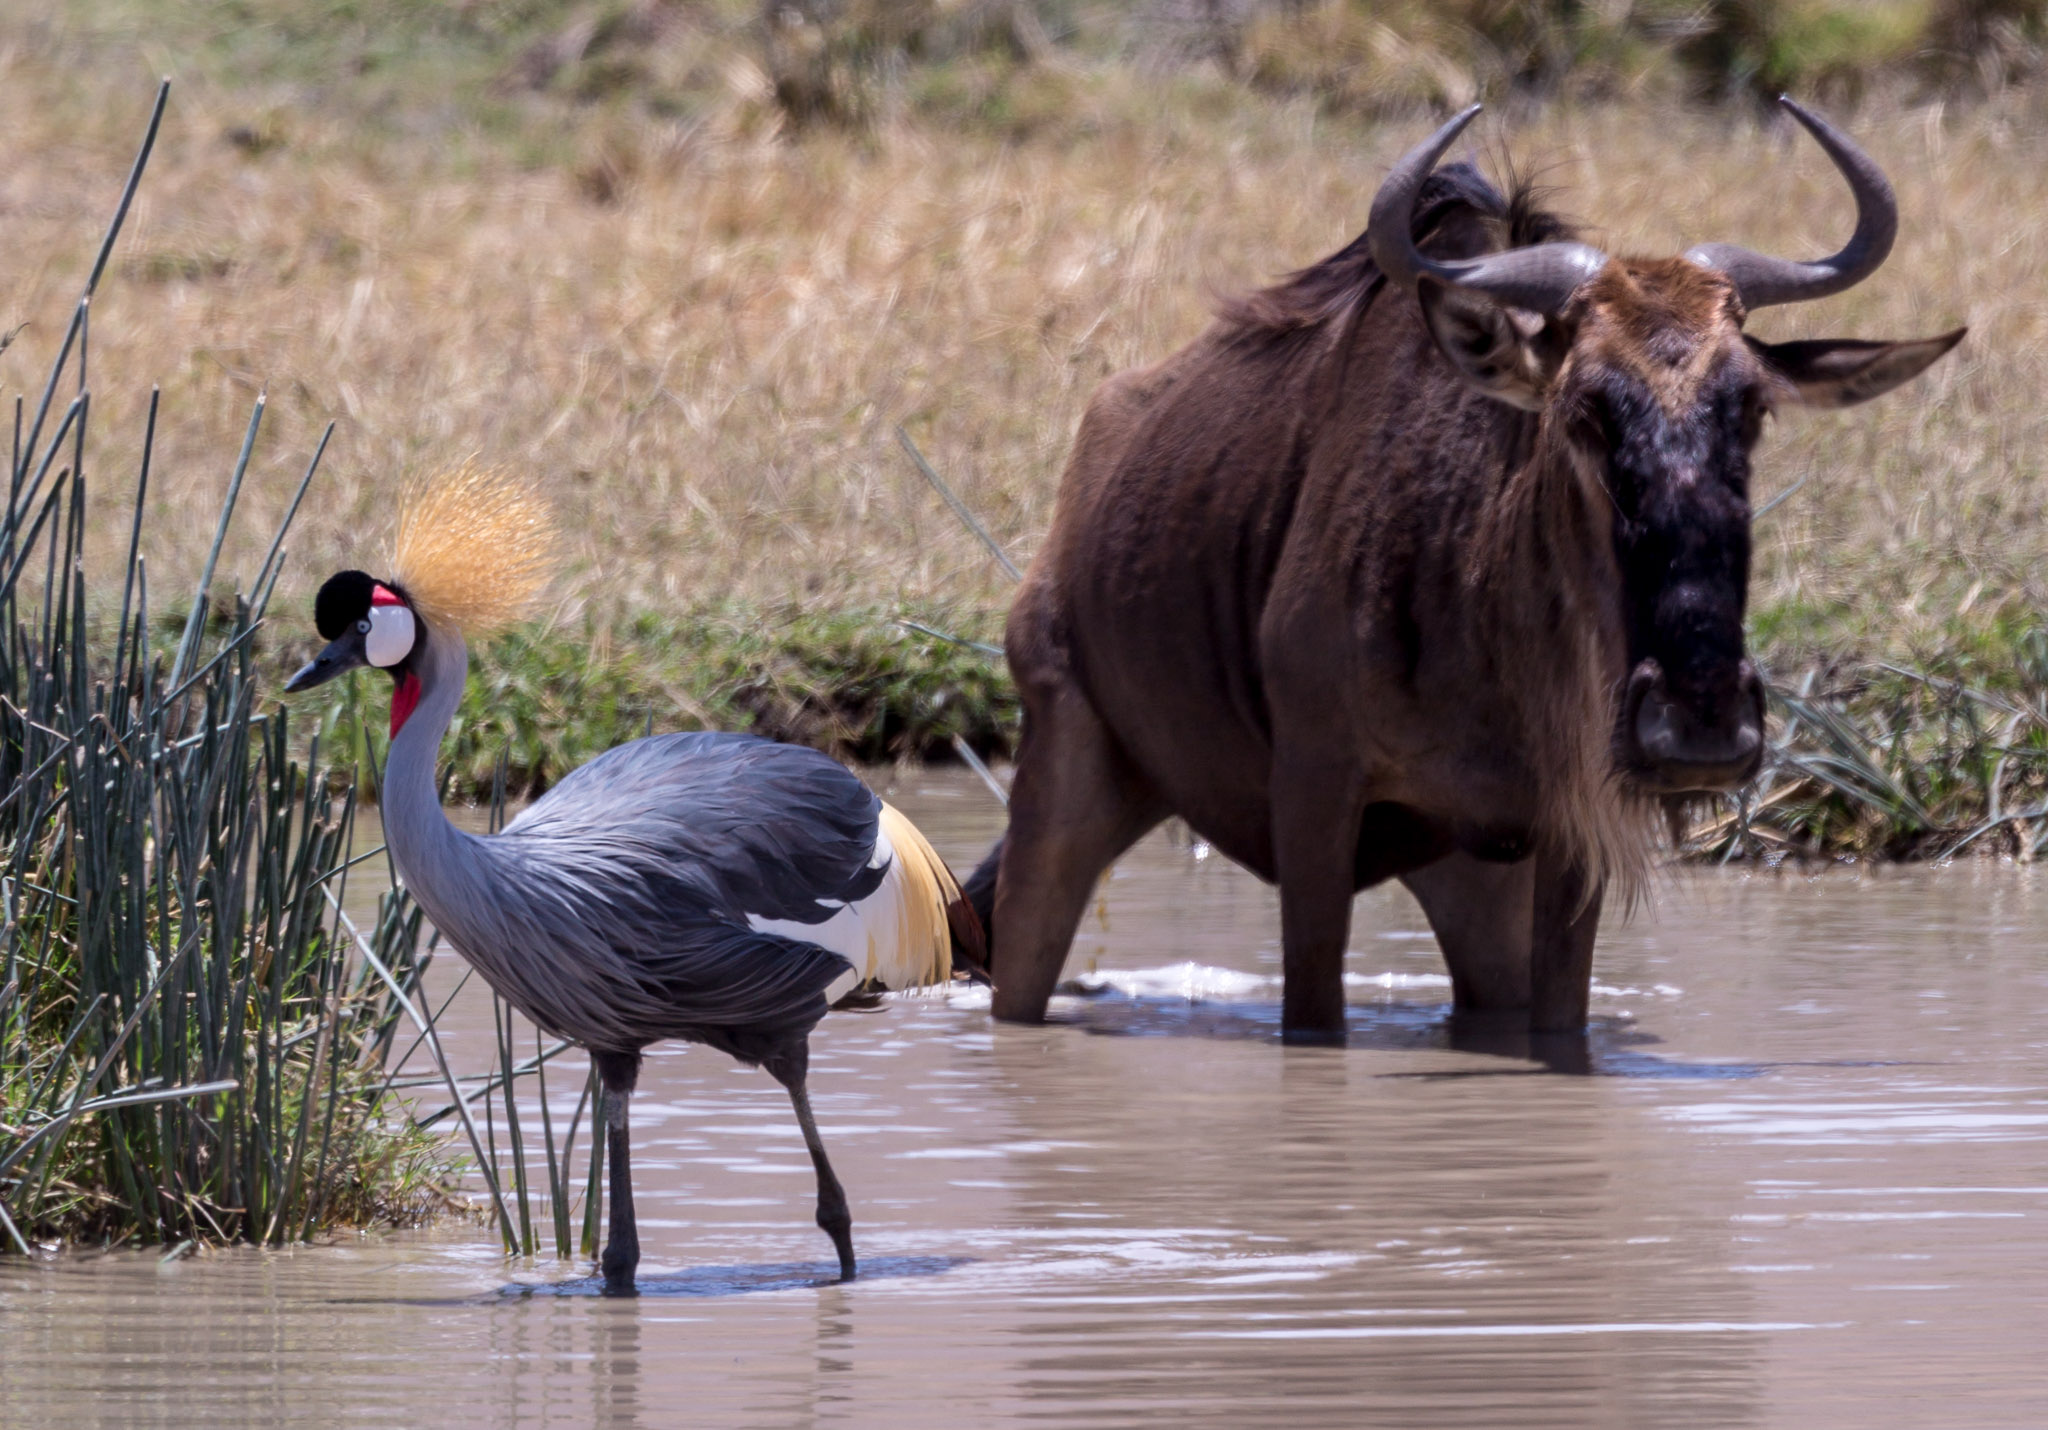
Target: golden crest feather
{"points": [[474, 548]]}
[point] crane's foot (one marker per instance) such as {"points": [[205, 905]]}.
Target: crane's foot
{"points": [[618, 1267], [840, 1229]]}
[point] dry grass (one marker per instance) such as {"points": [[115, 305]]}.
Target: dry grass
{"points": [[701, 333]]}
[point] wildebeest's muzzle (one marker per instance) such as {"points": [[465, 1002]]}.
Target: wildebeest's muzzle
{"points": [[1674, 745]]}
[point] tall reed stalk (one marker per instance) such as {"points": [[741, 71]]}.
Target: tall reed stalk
{"points": [[189, 1046]]}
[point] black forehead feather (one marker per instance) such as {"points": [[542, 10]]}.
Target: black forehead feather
{"points": [[343, 601]]}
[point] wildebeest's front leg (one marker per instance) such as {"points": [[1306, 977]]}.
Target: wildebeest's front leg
{"points": [[1480, 911], [1076, 805], [1567, 918], [1316, 810]]}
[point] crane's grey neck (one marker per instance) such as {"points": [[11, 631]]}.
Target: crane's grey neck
{"points": [[430, 851], [459, 879]]}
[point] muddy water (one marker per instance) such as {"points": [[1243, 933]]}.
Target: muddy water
{"points": [[1796, 1176]]}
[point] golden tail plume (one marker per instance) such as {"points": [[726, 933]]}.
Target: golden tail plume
{"points": [[474, 548], [931, 915]]}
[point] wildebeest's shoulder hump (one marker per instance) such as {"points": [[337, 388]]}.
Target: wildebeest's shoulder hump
{"points": [[1115, 412]]}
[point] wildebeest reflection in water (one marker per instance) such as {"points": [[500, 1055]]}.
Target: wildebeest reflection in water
{"points": [[1195, 1001], [1427, 563], [1469, 1213]]}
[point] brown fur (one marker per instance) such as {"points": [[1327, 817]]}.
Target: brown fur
{"points": [[1302, 579], [1541, 577], [1664, 321]]}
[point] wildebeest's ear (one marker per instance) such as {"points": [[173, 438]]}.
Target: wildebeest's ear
{"points": [[1500, 350], [1841, 372]]}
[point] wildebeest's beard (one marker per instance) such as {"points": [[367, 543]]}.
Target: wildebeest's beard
{"points": [[1690, 713]]}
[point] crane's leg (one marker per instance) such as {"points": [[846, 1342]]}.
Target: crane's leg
{"points": [[791, 1069], [619, 1072]]}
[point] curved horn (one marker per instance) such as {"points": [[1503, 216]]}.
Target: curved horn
{"points": [[1538, 278], [1763, 280]]}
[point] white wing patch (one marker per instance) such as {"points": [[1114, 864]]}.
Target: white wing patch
{"points": [[896, 936], [852, 930]]}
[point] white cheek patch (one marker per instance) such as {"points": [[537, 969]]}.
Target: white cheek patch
{"points": [[391, 635]]}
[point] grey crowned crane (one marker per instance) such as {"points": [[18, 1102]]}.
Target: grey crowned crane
{"points": [[714, 888]]}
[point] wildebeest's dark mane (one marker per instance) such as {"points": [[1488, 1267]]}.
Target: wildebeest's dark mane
{"points": [[1336, 285], [1540, 540]]}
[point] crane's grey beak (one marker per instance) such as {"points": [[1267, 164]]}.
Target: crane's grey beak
{"points": [[340, 657]]}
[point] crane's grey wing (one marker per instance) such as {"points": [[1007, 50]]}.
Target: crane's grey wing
{"points": [[648, 874], [759, 829], [744, 991], [616, 953]]}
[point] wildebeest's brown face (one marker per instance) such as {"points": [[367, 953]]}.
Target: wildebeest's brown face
{"points": [[1646, 381]]}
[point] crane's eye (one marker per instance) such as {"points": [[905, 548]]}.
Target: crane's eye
{"points": [[363, 625], [390, 636]]}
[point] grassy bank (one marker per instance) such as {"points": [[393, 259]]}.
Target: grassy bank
{"points": [[1939, 753], [866, 684]]}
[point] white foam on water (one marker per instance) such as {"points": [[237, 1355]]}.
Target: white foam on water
{"points": [[1395, 980], [1207, 983], [948, 1154], [1210, 983], [1079, 1265], [1196, 982], [1913, 1216]]}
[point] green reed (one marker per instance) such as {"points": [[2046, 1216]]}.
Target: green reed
{"points": [[559, 1158], [190, 1047], [506, 1169]]}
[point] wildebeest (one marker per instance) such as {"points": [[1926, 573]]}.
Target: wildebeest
{"points": [[1428, 563]]}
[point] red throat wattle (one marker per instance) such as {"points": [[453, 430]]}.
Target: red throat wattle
{"points": [[404, 700]]}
